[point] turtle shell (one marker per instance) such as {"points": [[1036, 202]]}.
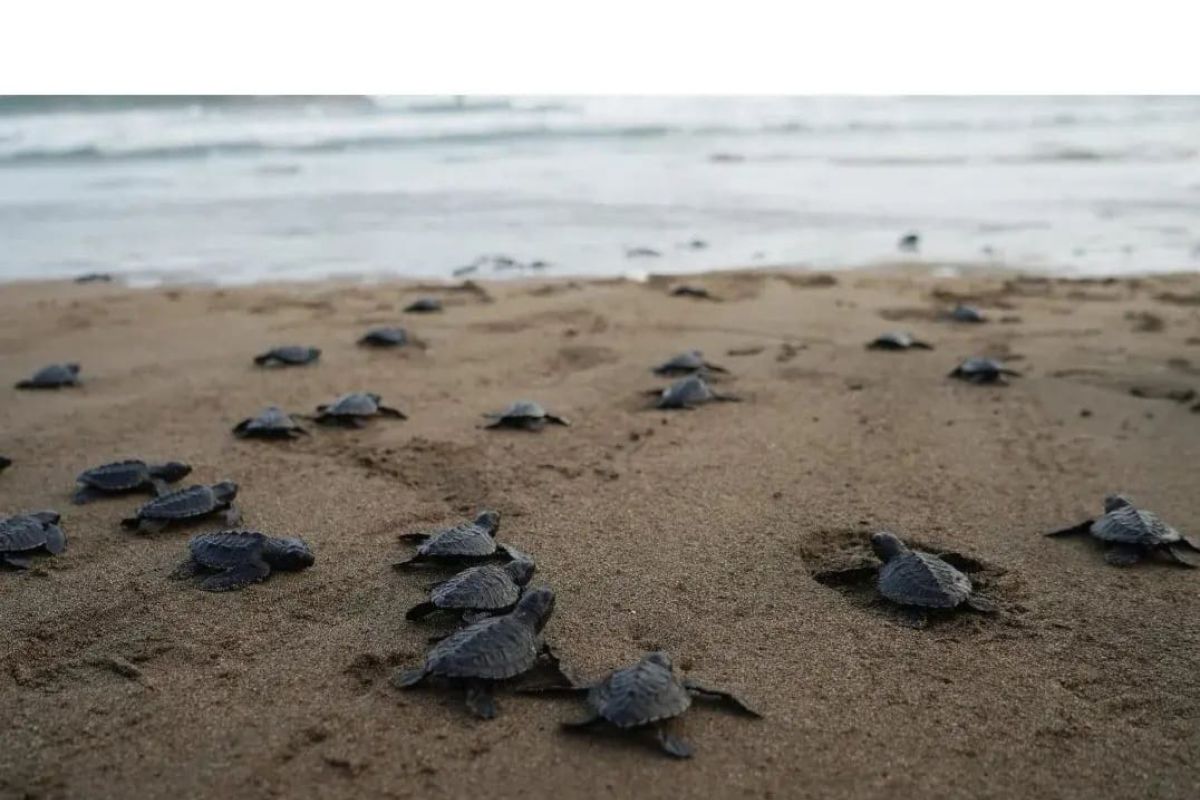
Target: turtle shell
{"points": [[913, 578], [290, 354], [31, 531], [193, 501], [53, 376], [227, 548], [523, 409], [355, 404], [980, 369], [1126, 524], [689, 361], [117, 476], [469, 539], [640, 694], [495, 649], [484, 588], [268, 422], [424, 304], [963, 313], [689, 391], [385, 337], [894, 340]]}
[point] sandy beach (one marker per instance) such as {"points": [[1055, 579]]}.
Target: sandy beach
{"points": [[697, 532]]}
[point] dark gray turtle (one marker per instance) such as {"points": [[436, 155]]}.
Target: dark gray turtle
{"points": [[288, 356], [982, 370], [689, 392], [55, 376], [23, 533], [5, 463], [122, 477], [687, 363], [922, 582], [641, 252], [480, 591], [965, 313], [185, 505], [352, 410], [909, 243], [697, 292], [897, 340], [1131, 534], [524, 415], [270, 423], [94, 277], [462, 543], [240, 558], [489, 651], [424, 305], [644, 696], [385, 337]]}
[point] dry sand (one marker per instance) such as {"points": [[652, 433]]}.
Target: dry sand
{"points": [[697, 532]]}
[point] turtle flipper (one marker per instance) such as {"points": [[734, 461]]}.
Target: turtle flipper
{"points": [[982, 604], [672, 745], [391, 412], [86, 494], [1074, 530], [1123, 555], [16, 562], [408, 678], [237, 577], [553, 420], [232, 515], [186, 569], [471, 617], [420, 611], [413, 537], [1183, 553], [157, 486], [147, 525], [480, 701], [729, 700], [56, 540], [921, 345], [725, 398]]}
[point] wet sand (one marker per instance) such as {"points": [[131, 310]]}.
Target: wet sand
{"points": [[696, 532]]}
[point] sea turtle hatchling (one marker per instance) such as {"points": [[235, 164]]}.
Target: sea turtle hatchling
{"points": [[23, 533], [55, 376], [689, 392], [897, 340], [922, 582], [965, 313], [5, 463], [424, 305], [354, 409], [288, 356], [688, 362], [524, 415], [462, 543], [688, 290], [642, 697], [270, 423], [982, 370], [385, 337], [480, 591], [490, 651], [122, 477], [185, 505], [1132, 533], [239, 558]]}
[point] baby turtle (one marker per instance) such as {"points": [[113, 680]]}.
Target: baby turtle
{"points": [[185, 505], [122, 477], [55, 376], [240, 558], [687, 363], [897, 340], [689, 392], [424, 305], [644, 696], [686, 290], [23, 533], [5, 463], [480, 591], [489, 651], [909, 243], [524, 415], [1131, 534], [270, 423], [288, 356], [921, 582], [465, 542], [385, 337], [982, 370], [352, 410], [964, 313]]}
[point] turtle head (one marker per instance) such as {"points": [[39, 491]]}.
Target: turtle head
{"points": [[1114, 501], [521, 568], [659, 658], [887, 546], [72, 368], [536, 606], [489, 521], [290, 554], [171, 471], [225, 491]]}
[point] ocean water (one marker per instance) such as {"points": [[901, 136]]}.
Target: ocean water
{"points": [[237, 190]]}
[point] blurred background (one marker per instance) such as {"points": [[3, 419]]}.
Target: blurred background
{"points": [[243, 189]]}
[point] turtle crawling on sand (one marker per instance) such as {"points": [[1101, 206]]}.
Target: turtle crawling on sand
{"points": [[480, 591], [1132, 534], [689, 392], [687, 290], [354, 409], [55, 376], [982, 370], [642, 697], [385, 337], [463, 543], [5, 463], [897, 340], [922, 582], [490, 651], [239, 558], [288, 356], [186, 505], [270, 423], [123, 477], [424, 305], [687, 363], [965, 313], [524, 415], [23, 533]]}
